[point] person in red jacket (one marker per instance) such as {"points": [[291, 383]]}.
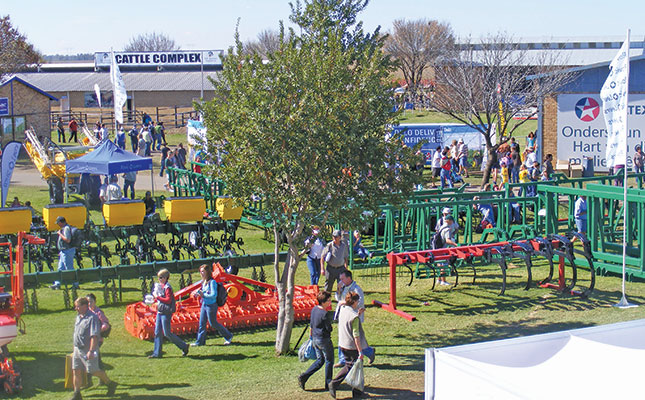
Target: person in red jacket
{"points": [[73, 130], [165, 298]]}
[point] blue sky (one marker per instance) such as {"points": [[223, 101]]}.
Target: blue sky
{"points": [[81, 26]]}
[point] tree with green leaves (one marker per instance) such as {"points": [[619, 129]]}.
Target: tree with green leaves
{"points": [[307, 130], [16, 54]]}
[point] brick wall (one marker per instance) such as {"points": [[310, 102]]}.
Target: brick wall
{"points": [[550, 126], [29, 103]]}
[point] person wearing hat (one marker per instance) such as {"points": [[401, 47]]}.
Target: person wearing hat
{"points": [[335, 255], [445, 212], [66, 251], [448, 230]]}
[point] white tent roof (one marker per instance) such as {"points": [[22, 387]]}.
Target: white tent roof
{"points": [[597, 363]]}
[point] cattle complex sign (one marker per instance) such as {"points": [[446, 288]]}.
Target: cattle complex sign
{"points": [[582, 131], [160, 58]]}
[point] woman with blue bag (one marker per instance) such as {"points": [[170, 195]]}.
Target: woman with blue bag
{"points": [[208, 293], [321, 334]]}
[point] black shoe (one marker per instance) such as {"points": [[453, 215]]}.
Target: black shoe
{"points": [[332, 391], [185, 352], [77, 396], [111, 388], [301, 382]]}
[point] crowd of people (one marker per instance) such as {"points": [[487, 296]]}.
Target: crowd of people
{"points": [[450, 164], [331, 261]]}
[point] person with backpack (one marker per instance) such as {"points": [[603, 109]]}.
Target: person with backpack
{"points": [[66, 248], [165, 298], [212, 294], [444, 237]]}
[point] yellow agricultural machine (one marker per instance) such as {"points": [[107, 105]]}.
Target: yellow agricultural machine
{"points": [[49, 158]]}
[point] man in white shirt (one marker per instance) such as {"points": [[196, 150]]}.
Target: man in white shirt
{"points": [[436, 165], [113, 190]]}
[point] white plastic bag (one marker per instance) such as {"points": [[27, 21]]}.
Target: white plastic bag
{"points": [[355, 377]]}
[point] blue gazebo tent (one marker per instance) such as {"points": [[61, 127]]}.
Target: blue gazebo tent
{"points": [[108, 159]]}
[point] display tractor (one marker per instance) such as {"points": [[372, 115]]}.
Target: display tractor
{"points": [[49, 158], [11, 307]]}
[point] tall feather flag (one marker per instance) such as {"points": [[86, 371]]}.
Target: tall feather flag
{"points": [[614, 95], [120, 95], [614, 98]]}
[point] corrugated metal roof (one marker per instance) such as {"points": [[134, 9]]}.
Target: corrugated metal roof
{"points": [[137, 81]]}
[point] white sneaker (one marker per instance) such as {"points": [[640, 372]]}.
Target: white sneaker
{"points": [[228, 342], [444, 283]]}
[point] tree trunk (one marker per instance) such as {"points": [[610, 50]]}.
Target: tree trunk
{"points": [[492, 158], [285, 287]]}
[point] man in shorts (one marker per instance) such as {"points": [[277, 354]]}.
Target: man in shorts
{"points": [[87, 331]]}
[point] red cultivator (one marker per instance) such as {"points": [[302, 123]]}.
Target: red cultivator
{"points": [[244, 307]]}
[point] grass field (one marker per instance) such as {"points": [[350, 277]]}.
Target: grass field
{"points": [[445, 316]]}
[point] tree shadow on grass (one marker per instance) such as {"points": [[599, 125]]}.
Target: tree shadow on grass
{"points": [[48, 367]]}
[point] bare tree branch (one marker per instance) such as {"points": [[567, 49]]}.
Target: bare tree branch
{"points": [[151, 42], [475, 78], [416, 45]]}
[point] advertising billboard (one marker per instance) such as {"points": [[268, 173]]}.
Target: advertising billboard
{"points": [[582, 132]]}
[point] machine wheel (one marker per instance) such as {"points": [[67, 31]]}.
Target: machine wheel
{"points": [[55, 190]]}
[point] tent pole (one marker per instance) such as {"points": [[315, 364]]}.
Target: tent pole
{"points": [[152, 180]]}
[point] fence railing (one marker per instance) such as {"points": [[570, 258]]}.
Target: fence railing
{"points": [[172, 117]]}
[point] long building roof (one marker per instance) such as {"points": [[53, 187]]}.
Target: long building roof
{"points": [[150, 81]]}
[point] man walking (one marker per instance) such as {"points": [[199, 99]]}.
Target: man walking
{"points": [[336, 255], [66, 249], [345, 285], [87, 331], [134, 138]]}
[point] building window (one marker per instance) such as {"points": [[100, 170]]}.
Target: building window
{"points": [[592, 45], [91, 101], [13, 128], [576, 45]]}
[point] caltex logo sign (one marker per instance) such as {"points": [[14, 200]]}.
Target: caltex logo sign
{"points": [[587, 109]]}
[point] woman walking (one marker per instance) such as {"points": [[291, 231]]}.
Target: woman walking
{"points": [[351, 340], [320, 332], [165, 298], [208, 293]]}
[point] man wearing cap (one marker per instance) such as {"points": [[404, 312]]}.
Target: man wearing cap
{"points": [[445, 212], [335, 254], [66, 251]]}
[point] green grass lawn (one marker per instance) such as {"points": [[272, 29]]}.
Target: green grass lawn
{"points": [[249, 369], [466, 314]]}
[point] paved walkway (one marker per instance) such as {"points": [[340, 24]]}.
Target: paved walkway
{"points": [[28, 175]]}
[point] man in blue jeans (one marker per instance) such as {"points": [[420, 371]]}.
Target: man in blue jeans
{"points": [[66, 250], [348, 284], [208, 293]]}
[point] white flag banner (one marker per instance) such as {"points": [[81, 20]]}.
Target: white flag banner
{"points": [[614, 98], [120, 96], [97, 91]]}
